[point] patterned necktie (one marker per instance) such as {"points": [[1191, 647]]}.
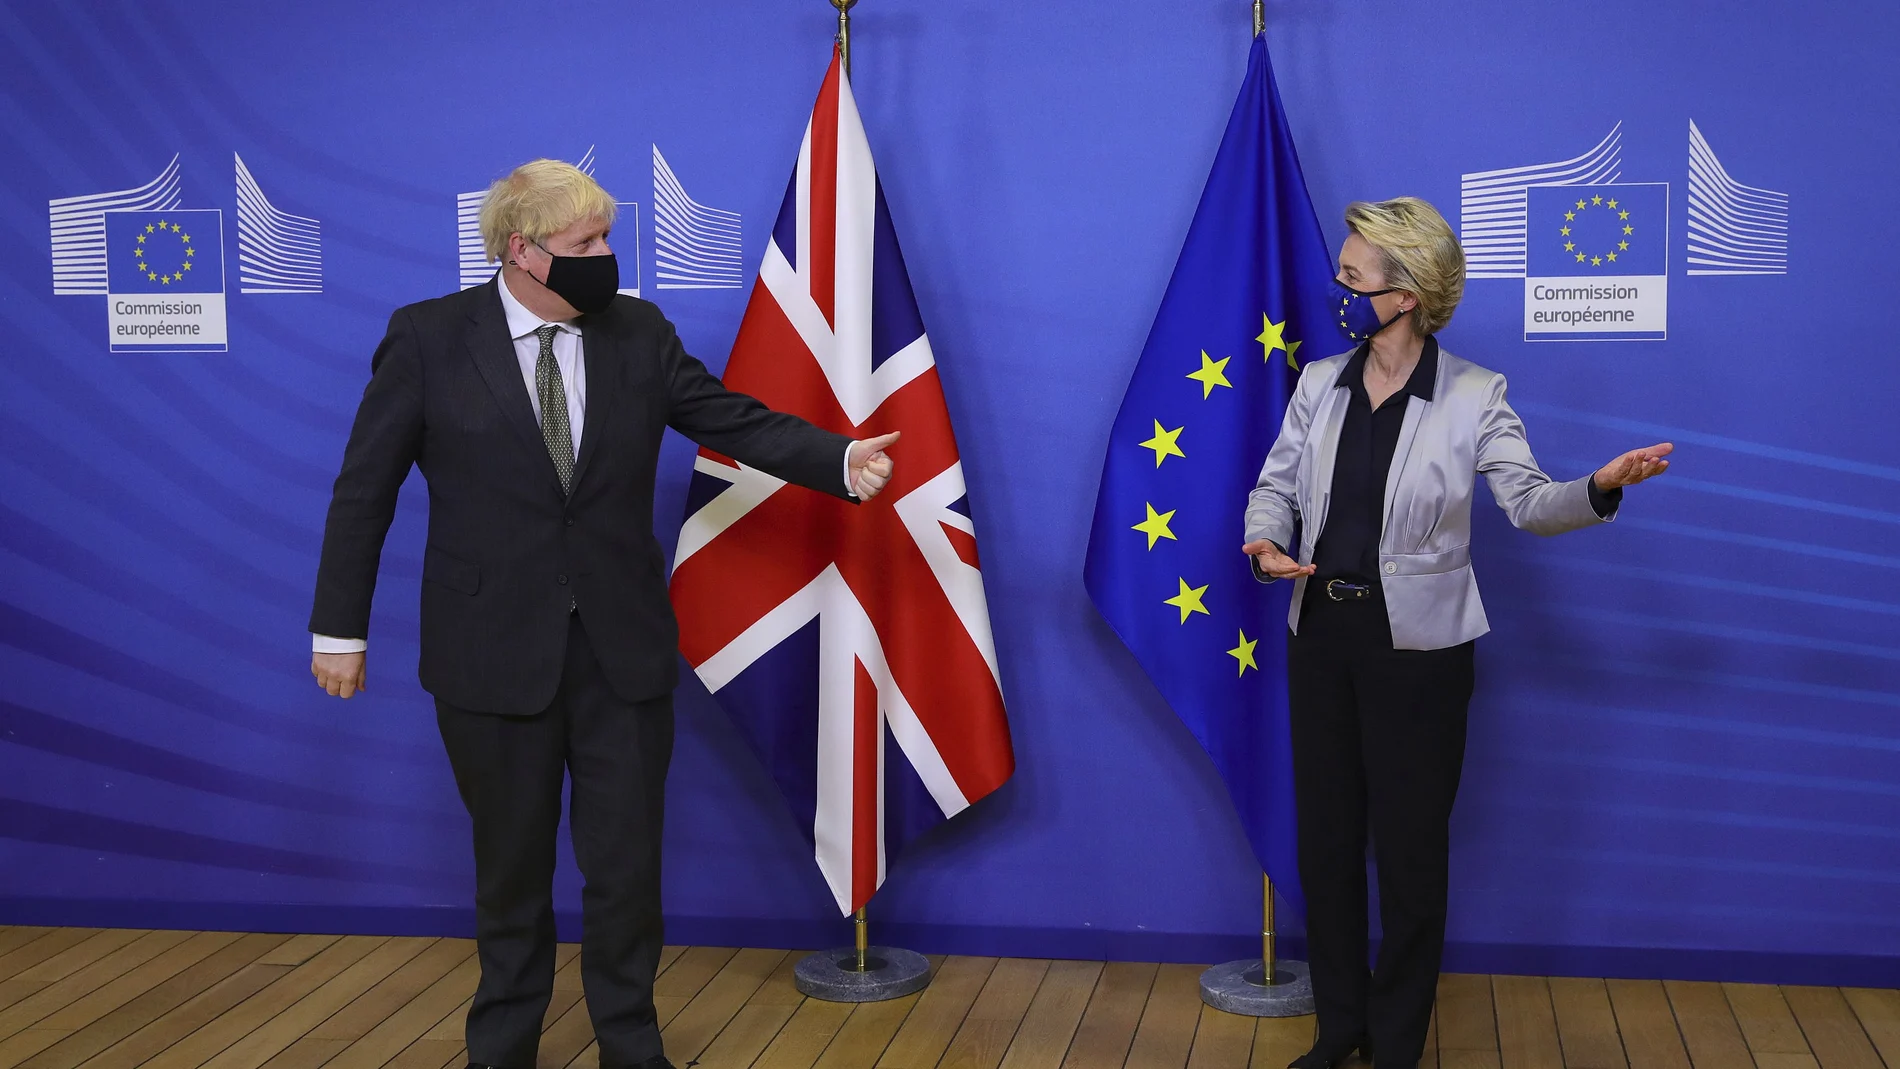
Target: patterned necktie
{"points": [[553, 395]]}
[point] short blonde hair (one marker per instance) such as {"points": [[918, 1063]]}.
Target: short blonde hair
{"points": [[539, 198], [1417, 253]]}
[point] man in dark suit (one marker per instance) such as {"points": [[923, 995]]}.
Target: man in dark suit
{"points": [[534, 406]]}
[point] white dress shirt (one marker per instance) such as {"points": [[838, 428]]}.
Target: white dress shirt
{"points": [[567, 356]]}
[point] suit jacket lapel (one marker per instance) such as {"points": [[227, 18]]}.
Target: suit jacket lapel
{"points": [[1327, 421], [494, 355], [1415, 409], [600, 353]]}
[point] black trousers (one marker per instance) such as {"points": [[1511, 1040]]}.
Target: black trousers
{"points": [[1379, 743], [509, 771]]}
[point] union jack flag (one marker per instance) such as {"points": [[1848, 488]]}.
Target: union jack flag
{"points": [[850, 643]]}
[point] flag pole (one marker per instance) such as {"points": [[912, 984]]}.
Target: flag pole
{"points": [[844, 31], [1266, 908], [1269, 987], [861, 972]]}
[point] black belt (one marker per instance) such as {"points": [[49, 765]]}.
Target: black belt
{"points": [[1347, 590]]}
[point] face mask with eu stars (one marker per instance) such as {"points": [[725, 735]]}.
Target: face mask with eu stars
{"points": [[1358, 320]]}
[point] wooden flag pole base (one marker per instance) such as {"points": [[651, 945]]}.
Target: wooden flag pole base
{"points": [[1267, 986], [861, 972]]}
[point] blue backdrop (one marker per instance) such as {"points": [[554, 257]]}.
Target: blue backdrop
{"points": [[1684, 757]]}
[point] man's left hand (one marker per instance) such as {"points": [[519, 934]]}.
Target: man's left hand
{"points": [[870, 465]]}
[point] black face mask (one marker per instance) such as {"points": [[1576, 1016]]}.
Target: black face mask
{"points": [[586, 282]]}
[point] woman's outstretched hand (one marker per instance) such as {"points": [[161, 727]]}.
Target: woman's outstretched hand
{"points": [[1270, 561], [1634, 466]]}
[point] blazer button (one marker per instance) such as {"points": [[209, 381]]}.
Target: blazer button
{"points": [[1391, 567], [561, 579], [570, 521]]}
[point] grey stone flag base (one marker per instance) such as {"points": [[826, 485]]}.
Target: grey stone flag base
{"points": [[1237, 988], [889, 973]]}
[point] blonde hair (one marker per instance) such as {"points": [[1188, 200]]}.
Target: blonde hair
{"points": [[1417, 253], [539, 198]]}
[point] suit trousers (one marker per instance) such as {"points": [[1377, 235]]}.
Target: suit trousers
{"points": [[1378, 744], [509, 771]]}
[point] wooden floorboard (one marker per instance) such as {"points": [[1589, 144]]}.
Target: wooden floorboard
{"points": [[137, 999], [1833, 1030], [1108, 1024]]}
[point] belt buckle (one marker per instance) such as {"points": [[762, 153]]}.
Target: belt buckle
{"points": [[1354, 591]]}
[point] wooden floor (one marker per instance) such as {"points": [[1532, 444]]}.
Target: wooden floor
{"points": [[89, 998]]}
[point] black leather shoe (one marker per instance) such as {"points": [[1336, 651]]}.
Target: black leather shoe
{"points": [[658, 1061], [1331, 1056]]}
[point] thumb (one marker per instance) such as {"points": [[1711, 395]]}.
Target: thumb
{"points": [[881, 442]]}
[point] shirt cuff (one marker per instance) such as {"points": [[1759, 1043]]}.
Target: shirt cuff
{"points": [[331, 644], [848, 488], [1604, 502]]}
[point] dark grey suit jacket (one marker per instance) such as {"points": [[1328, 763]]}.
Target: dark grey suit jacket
{"points": [[507, 551]]}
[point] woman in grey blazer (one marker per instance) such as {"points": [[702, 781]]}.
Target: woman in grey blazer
{"points": [[1374, 469]]}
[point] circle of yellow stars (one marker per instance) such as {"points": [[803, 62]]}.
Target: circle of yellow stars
{"points": [[1165, 442], [143, 252], [1622, 217]]}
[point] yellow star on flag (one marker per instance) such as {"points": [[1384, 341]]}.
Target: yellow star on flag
{"points": [[1629, 230], [1612, 203], [1156, 525], [1273, 336], [1624, 214], [1596, 261], [1213, 373], [1579, 205], [1570, 246], [1244, 653], [142, 237], [148, 229], [1623, 245], [1164, 444], [1564, 230], [1596, 200], [1189, 601], [1571, 215], [1610, 257], [1579, 257], [162, 225]]}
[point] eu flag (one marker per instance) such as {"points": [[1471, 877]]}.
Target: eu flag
{"points": [[1248, 296]]}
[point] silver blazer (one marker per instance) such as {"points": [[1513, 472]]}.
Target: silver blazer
{"points": [[1467, 429]]}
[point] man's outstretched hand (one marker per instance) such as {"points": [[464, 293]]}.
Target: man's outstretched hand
{"points": [[870, 465]]}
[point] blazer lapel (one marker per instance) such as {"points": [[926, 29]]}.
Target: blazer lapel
{"points": [[494, 355], [1415, 409], [1325, 445], [601, 355]]}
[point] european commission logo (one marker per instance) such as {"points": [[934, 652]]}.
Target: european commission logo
{"points": [[161, 267], [1593, 251], [165, 280], [1597, 262]]}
